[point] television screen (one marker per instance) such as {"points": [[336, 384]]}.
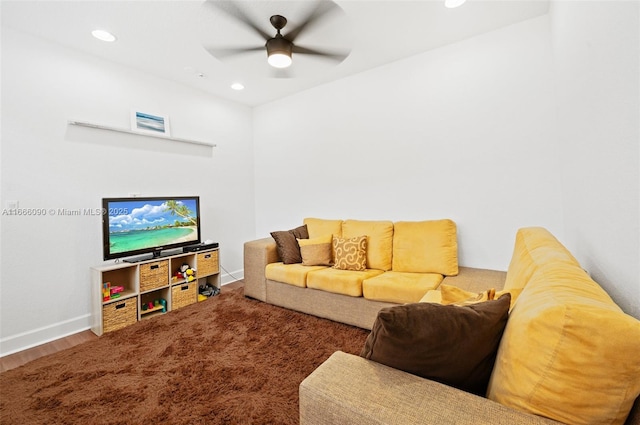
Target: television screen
{"points": [[132, 226]]}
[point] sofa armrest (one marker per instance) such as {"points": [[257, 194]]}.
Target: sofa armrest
{"points": [[257, 254], [347, 389]]}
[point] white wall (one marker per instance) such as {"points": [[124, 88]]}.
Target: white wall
{"points": [[533, 124], [597, 58], [466, 132], [45, 287]]}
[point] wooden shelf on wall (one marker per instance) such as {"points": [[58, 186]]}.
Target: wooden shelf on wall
{"points": [[122, 130]]}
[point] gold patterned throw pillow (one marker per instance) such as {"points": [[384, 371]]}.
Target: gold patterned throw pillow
{"points": [[350, 253]]}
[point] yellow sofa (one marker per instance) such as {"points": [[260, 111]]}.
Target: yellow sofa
{"points": [[404, 261], [568, 355]]}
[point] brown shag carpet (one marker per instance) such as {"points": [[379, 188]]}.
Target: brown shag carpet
{"points": [[227, 360]]}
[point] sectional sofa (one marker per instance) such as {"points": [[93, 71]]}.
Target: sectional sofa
{"points": [[568, 354], [404, 260]]}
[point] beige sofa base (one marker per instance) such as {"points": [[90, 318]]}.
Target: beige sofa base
{"points": [[355, 311], [348, 389]]}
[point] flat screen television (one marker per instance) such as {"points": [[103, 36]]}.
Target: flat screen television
{"points": [[150, 225]]}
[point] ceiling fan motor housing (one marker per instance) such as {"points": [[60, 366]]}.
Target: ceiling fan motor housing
{"points": [[279, 45]]}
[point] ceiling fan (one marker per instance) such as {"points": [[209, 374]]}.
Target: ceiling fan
{"points": [[280, 48]]}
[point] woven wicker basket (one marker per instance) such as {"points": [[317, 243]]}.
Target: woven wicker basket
{"points": [[207, 263], [183, 295], [119, 314], [154, 275]]}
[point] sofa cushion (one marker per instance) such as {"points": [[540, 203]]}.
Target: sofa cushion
{"points": [[293, 274], [346, 282], [531, 249], [379, 242], [432, 296], [449, 344], [287, 244], [568, 352], [350, 253], [425, 247], [449, 294], [316, 251], [398, 287], [320, 227]]}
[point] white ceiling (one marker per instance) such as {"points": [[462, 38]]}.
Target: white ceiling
{"points": [[170, 38]]}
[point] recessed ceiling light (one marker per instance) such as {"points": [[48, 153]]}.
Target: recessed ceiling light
{"points": [[453, 3], [103, 35], [237, 86]]}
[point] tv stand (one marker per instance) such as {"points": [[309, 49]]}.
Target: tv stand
{"points": [[142, 281]]}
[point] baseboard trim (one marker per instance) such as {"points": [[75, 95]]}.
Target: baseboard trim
{"points": [[33, 338], [230, 277]]}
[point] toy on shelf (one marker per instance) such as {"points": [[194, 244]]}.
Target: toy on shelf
{"points": [[208, 290], [155, 305], [185, 272], [191, 275], [106, 291], [111, 292], [116, 291]]}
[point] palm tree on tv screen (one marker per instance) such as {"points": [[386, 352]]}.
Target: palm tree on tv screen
{"points": [[180, 209]]}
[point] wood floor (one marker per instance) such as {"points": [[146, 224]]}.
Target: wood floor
{"points": [[18, 359]]}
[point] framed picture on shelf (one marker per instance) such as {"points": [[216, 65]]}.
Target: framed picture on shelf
{"points": [[148, 123]]}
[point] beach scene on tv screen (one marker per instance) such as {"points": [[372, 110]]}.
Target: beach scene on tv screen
{"points": [[136, 225]]}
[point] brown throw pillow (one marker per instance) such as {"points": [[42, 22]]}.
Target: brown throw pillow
{"points": [[446, 343], [287, 243]]}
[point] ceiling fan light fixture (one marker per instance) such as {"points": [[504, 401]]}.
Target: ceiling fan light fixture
{"points": [[279, 52], [279, 60]]}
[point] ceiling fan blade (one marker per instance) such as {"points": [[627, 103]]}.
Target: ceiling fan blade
{"points": [[225, 53], [232, 9], [334, 55], [313, 18]]}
